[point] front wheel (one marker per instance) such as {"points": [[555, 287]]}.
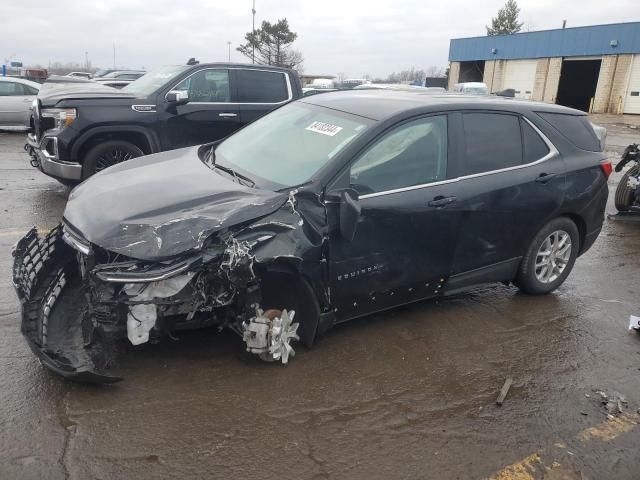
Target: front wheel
{"points": [[624, 193], [549, 258], [109, 153]]}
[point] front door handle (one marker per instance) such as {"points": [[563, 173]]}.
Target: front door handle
{"points": [[441, 201], [545, 177], [227, 115]]}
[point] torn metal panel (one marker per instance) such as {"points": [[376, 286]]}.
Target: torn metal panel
{"points": [[195, 259]]}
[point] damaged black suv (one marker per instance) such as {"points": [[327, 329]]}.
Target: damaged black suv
{"points": [[327, 209]]}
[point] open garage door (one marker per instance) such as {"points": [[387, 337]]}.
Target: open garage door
{"points": [[632, 98], [578, 82], [520, 75]]}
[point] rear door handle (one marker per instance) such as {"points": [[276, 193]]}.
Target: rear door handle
{"points": [[545, 177], [441, 201], [228, 115]]}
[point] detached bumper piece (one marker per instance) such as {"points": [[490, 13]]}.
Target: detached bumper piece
{"points": [[55, 319]]}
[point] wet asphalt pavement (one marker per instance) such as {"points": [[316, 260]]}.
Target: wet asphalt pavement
{"points": [[405, 394]]}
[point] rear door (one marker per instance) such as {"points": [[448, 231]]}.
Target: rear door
{"points": [[260, 91], [210, 113], [15, 101], [512, 181]]}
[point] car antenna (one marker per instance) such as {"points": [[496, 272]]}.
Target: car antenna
{"points": [[192, 61]]}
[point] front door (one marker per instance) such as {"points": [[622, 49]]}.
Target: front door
{"points": [[406, 235], [208, 116]]}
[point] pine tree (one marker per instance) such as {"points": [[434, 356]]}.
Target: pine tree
{"points": [[506, 21]]}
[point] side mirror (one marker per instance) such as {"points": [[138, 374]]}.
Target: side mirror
{"points": [[349, 213], [178, 97]]}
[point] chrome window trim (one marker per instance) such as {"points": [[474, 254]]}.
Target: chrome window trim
{"points": [[286, 77], [553, 152]]}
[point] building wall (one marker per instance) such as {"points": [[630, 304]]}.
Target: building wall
{"points": [[494, 75], [612, 83], [540, 82], [454, 74]]}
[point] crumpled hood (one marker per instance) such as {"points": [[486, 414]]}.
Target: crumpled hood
{"points": [[162, 205]]}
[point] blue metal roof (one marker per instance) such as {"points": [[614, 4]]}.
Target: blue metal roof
{"points": [[567, 42]]}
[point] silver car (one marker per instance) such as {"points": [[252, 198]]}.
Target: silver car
{"points": [[16, 97]]}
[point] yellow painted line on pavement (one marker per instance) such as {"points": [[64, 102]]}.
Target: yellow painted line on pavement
{"points": [[525, 469], [533, 466], [610, 429]]}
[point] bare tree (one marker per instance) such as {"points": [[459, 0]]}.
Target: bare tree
{"points": [[434, 71]]}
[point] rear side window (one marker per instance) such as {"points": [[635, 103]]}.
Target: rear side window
{"points": [[534, 147], [576, 128], [256, 86], [492, 142]]}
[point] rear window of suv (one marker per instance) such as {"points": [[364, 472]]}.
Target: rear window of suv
{"points": [[576, 128], [259, 86]]}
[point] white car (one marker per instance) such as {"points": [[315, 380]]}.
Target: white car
{"points": [[471, 88], [16, 97]]}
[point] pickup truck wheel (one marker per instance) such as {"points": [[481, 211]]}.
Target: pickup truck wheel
{"points": [[549, 258], [107, 154], [624, 193]]}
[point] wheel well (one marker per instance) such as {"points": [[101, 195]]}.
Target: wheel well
{"points": [[281, 285], [137, 138], [582, 227]]}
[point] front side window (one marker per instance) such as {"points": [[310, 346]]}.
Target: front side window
{"points": [[289, 145], [10, 89], [258, 86], [414, 153], [207, 86], [492, 142]]}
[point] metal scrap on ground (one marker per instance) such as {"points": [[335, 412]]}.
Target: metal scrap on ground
{"points": [[504, 391]]}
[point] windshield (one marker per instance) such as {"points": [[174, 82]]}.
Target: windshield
{"points": [[155, 79], [290, 144]]}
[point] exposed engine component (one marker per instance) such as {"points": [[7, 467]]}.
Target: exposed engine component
{"points": [[269, 335]]}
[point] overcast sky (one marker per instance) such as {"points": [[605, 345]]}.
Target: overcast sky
{"points": [[356, 37]]}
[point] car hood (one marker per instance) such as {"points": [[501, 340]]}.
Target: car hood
{"points": [[53, 91], [162, 205]]}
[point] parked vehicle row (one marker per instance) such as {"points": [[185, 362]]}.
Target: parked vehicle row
{"points": [[83, 128], [327, 209], [16, 97]]}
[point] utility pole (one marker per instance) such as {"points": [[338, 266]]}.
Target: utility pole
{"points": [[253, 30], [114, 56], [229, 54], [86, 60]]}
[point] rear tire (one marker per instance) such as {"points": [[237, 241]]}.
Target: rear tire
{"points": [[549, 258], [624, 193], [108, 153]]}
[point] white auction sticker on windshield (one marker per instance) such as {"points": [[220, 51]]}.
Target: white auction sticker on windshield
{"points": [[324, 128]]}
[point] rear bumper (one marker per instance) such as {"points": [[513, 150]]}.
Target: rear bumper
{"points": [[45, 156]]}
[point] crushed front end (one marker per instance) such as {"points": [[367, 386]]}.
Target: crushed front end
{"points": [[80, 301]]}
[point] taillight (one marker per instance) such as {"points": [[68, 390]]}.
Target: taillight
{"points": [[606, 167]]}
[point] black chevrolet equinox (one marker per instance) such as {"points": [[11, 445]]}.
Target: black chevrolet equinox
{"points": [[82, 127], [327, 209]]}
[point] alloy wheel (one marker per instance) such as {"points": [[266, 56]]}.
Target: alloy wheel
{"points": [[112, 157], [553, 256]]}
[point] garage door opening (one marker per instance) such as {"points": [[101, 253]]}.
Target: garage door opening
{"points": [[471, 71], [578, 82]]}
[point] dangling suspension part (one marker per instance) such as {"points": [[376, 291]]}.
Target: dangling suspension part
{"points": [[269, 335]]}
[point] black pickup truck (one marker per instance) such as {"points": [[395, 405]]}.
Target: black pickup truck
{"points": [[80, 128]]}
